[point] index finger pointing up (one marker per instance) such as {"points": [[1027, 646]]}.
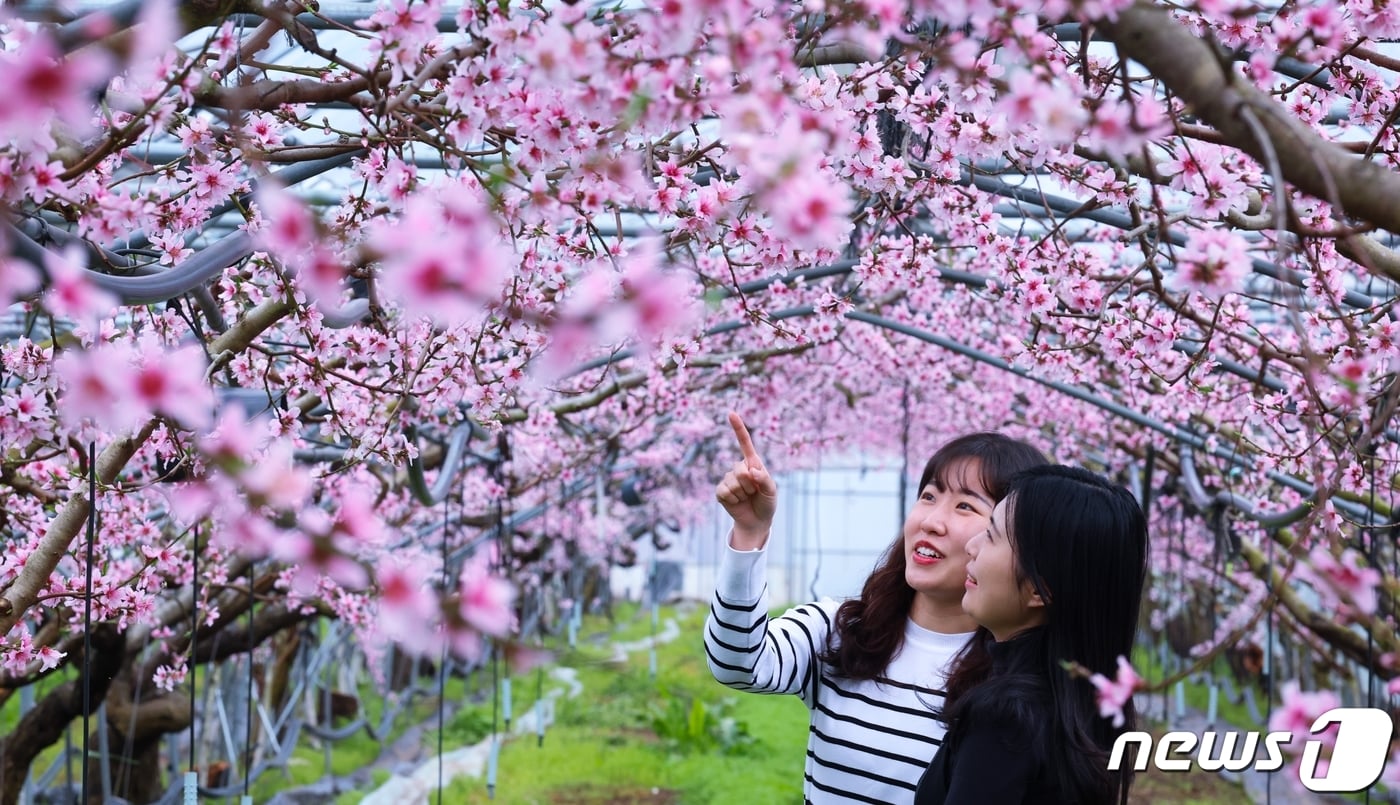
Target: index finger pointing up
{"points": [[745, 442]]}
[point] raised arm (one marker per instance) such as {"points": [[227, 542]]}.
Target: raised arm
{"points": [[745, 649], [748, 493]]}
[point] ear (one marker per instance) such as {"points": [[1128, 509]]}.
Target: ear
{"points": [[1033, 599]]}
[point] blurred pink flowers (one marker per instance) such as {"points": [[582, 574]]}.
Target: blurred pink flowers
{"points": [[1214, 262], [1113, 694], [119, 386], [1344, 578], [1300, 709]]}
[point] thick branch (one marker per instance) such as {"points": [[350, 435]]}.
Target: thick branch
{"points": [[270, 95], [147, 717], [1323, 624], [834, 53], [1191, 69], [46, 723], [177, 608], [233, 639]]}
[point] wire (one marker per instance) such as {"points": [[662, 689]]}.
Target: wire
{"points": [[194, 631], [539, 705], [442, 655], [817, 520], [498, 471], [904, 456], [1368, 537], [87, 609], [1269, 655], [250, 706]]}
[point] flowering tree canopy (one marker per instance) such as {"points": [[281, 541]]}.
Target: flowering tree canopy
{"points": [[402, 313]]}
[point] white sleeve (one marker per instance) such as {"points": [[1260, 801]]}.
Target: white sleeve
{"points": [[748, 651]]}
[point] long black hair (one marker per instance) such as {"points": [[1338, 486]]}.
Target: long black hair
{"points": [[1081, 542], [869, 630]]}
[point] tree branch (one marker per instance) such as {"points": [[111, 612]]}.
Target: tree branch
{"points": [[1191, 69], [269, 95], [46, 723]]}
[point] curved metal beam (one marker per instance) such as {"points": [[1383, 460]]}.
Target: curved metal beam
{"points": [[1204, 500], [451, 463]]}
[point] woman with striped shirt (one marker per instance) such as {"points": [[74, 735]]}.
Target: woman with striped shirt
{"points": [[872, 669]]}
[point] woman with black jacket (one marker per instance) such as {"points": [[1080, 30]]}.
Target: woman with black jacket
{"points": [[1055, 580]]}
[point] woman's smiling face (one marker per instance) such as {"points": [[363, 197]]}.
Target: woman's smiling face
{"points": [[995, 595], [948, 512]]}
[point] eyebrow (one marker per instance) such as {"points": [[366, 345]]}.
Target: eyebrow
{"points": [[992, 522], [938, 485], [978, 495]]}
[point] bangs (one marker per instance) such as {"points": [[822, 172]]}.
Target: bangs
{"points": [[961, 474], [981, 459]]}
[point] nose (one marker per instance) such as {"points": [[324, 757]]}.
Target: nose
{"points": [[975, 544], [934, 520]]}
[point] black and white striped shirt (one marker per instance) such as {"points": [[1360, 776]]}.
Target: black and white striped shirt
{"points": [[869, 740]]}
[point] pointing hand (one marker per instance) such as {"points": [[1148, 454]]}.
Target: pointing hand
{"points": [[748, 493]]}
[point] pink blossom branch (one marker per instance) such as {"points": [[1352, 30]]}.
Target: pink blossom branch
{"points": [[23, 592], [65, 527]]}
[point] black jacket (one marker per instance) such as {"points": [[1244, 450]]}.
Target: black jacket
{"points": [[996, 751]]}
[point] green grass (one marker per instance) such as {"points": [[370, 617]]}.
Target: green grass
{"points": [[605, 746]]}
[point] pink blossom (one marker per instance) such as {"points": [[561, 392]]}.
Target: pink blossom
{"points": [[444, 257], [1114, 694], [41, 81], [152, 36], [569, 340], [287, 228], [252, 534], [96, 384], [285, 225], [71, 293], [42, 179], [17, 279], [1119, 128], [1347, 577], [408, 606], [49, 657], [191, 502], [316, 554], [810, 210], [276, 479], [1299, 710], [212, 181], [172, 383], [171, 245], [356, 518], [658, 299], [485, 600], [18, 656], [169, 677], [1051, 106], [1214, 262]]}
